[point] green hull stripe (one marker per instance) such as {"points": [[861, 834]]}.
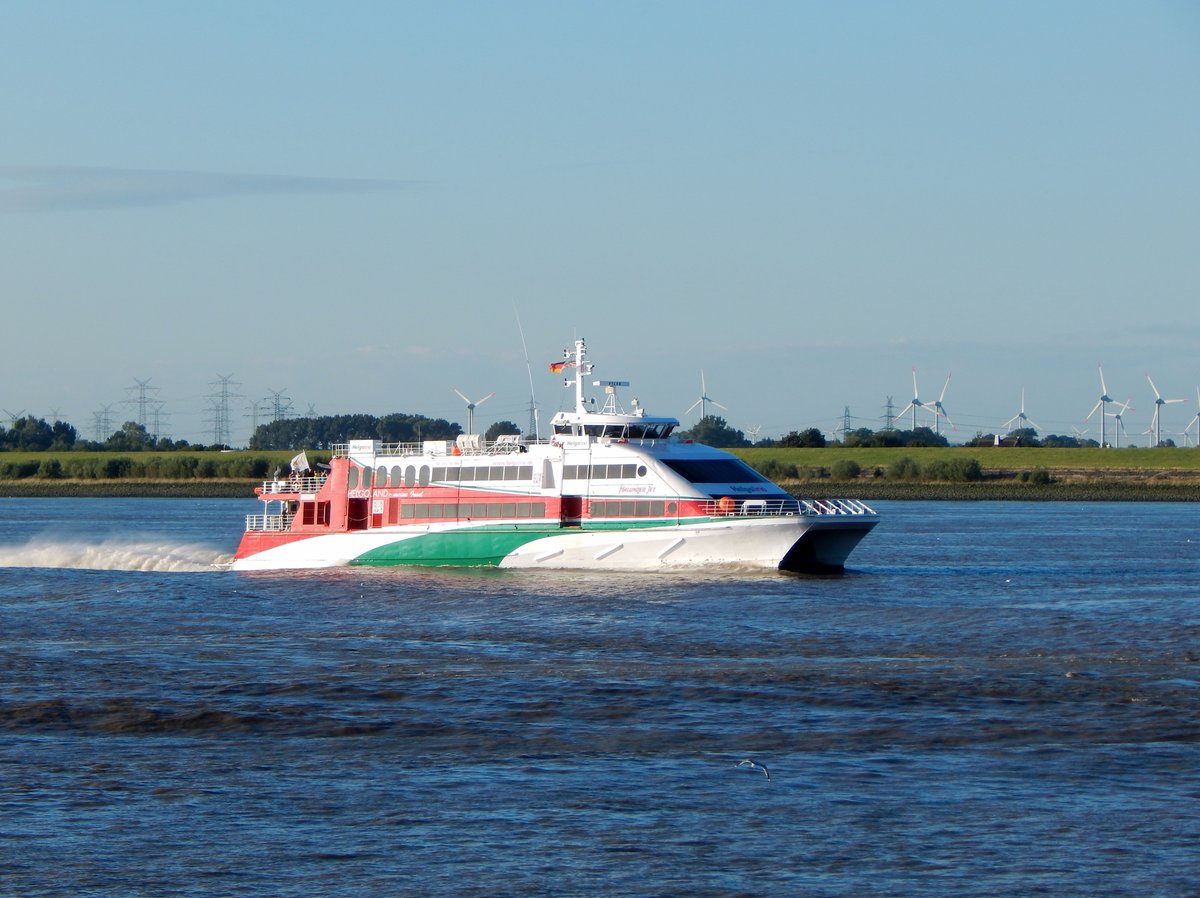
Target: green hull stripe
{"points": [[473, 548], [481, 546]]}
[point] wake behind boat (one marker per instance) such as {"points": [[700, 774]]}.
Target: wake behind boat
{"points": [[610, 490]]}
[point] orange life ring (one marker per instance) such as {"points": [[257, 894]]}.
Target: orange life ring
{"points": [[725, 505]]}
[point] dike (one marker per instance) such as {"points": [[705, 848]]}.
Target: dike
{"points": [[1000, 491], [1096, 488], [128, 489]]}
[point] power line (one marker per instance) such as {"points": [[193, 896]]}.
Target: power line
{"points": [[102, 424], [278, 406], [142, 401], [220, 405]]}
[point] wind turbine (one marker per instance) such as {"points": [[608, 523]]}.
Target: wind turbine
{"points": [[1020, 416], [1119, 427], [917, 403], [471, 406], [939, 410], [1156, 421], [1195, 422], [1101, 403], [704, 400]]}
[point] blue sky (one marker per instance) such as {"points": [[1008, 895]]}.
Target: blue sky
{"points": [[353, 205]]}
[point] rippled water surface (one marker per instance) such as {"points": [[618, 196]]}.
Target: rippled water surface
{"points": [[999, 699]]}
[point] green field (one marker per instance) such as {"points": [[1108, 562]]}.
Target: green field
{"points": [[992, 458], [152, 465], [1003, 473]]}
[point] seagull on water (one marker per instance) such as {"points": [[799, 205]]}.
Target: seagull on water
{"points": [[755, 766]]}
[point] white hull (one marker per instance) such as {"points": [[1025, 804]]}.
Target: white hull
{"points": [[795, 543], [752, 544]]}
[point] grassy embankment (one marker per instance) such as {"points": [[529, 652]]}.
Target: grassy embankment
{"points": [[1004, 472], [152, 474]]}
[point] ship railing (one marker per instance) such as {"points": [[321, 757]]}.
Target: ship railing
{"points": [[342, 450], [474, 444], [467, 444], [836, 506], [729, 506], [268, 523], [291, 485]]}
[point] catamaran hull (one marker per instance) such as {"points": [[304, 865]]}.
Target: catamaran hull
{"points": [[796, 543]]}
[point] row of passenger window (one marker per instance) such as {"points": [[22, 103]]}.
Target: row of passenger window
{"points": [[631, 508], [490, 472], [424, 475], [460, 510], [603, 472]]}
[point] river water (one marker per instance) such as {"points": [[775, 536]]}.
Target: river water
{"points": [[998, 699]]}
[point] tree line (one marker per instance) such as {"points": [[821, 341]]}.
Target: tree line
{"points": [[29, 434], [713, 430]]}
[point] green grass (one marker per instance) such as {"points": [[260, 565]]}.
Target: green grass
{"points": [[32, 488], [1075, 474], [282, 457], [1007, 458], [990, 457]]}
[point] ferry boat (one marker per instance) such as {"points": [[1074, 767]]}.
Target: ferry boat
{"points": [[611, 489]]}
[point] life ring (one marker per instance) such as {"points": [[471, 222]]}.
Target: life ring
{"points": [[726, 505]]}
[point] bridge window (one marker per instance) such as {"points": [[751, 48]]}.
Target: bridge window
{"points": [[715, 470]]}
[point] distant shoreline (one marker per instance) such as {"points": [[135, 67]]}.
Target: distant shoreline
{"points": [[1095, 489]]}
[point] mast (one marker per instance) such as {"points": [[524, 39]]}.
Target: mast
{"points": [[582, 369]]}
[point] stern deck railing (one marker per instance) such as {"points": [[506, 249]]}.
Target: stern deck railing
{"points": [[268, 523], [291, 485]]}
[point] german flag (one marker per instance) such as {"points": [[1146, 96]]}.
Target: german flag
{"points": [[557, 367]]}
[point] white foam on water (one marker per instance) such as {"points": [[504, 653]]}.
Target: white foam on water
{"points": [[114, 555]]}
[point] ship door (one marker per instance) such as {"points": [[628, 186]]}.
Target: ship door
{"points": [[358, 513], [572, 510]]}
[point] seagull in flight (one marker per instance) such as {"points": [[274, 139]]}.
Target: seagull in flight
{"points": [[755, 766]]}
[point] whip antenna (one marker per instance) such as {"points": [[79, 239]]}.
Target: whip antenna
{"points": [[533, 409]]}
